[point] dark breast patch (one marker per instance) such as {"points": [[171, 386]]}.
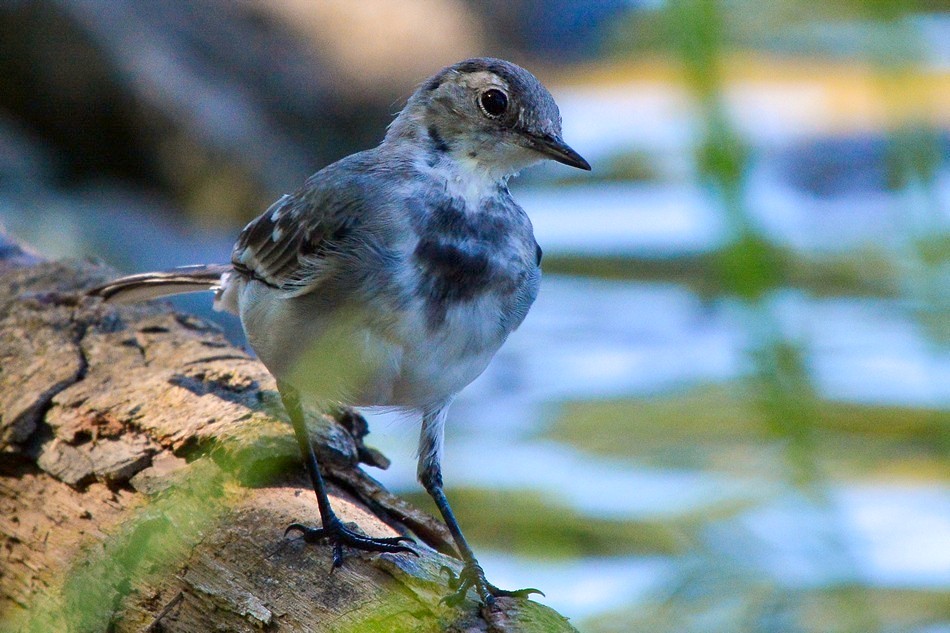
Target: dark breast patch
{"points": [[462, 255], [447, 217], [451, 274]]}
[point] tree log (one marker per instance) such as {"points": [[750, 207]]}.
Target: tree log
{"points": [[147, 473]]}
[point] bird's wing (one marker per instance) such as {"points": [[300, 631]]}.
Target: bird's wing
{"points": [[296, 243]]}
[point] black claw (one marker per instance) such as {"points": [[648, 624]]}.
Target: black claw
{"points": [[453, 581], [473, 576], [515, 593], [337, 555], [393, 540], [340, 535], [457, 596], [309, 534]]}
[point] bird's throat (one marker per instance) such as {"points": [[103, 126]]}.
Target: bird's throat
{"points": [[469, 180]]}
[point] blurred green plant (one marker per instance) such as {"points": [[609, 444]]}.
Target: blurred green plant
{"points": [[722, 428], [756, 605], [748, 265], [823, 29], [527, 523], [698, 34]]}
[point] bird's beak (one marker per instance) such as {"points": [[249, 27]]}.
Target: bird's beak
{"points": [[556, 149]]}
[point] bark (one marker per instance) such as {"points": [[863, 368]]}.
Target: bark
{"points": [[147, 473]]}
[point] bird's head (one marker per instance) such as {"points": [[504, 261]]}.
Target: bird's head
{"points": [[487, 113]]}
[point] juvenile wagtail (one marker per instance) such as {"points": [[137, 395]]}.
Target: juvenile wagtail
{"points": [[410, 261]]}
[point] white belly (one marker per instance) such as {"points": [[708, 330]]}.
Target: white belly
{"points": [[440, 363], [406, 366]]}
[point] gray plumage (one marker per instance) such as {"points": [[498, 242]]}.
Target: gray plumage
{"points": [[391, 277]]}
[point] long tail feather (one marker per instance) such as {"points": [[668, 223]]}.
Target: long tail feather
{"points": [[146, 286]]}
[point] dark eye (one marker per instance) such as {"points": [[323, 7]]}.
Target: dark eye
{"points": [[494, 102]]}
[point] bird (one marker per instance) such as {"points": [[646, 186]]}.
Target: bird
{"points": [[391, 277]]}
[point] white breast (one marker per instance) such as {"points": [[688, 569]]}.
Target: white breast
{"points": [[438, 364]]}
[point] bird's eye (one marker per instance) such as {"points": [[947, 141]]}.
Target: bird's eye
{"points": [[493, 102]]}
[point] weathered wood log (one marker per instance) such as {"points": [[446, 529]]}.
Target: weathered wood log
{"points": [[147, 473]]}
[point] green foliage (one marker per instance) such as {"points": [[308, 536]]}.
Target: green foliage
{"points": [[758, 606], [695, 29], [727, 428], [749, 268], [527, 523], [914, 156]]}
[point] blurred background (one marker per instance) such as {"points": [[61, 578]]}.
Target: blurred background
{"points": [[729, 409]]}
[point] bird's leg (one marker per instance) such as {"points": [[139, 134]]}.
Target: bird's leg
{"points": [[430, 475], [332, 529]]}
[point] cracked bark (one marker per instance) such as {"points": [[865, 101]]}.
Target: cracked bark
{"points": [[147, 473]]}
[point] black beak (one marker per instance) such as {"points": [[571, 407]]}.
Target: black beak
{"points": [[556, 149]]}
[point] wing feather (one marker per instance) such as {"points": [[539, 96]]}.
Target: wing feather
{"points": [[296, 243]]}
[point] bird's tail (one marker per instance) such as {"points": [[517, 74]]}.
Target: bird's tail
{"points": [[146, 286]]}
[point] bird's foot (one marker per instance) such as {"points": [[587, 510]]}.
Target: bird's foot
{"points": [[339, 535], [473, 576]]}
